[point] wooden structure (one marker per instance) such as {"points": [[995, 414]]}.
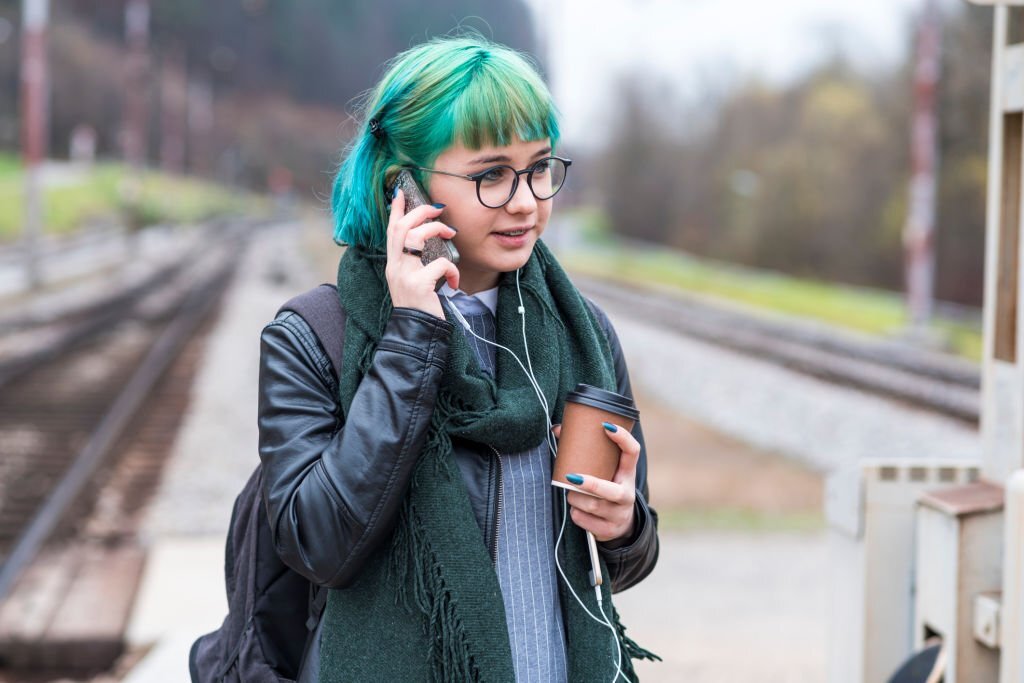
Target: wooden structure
{"points": [[962, 585]]}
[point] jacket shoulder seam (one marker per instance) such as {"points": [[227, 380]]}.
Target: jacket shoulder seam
{"points": [[297, 325]]}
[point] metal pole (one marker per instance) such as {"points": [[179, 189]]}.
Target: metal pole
{"points": [[136, 28], [172, 103], [35, 14], [199, 122], [919, 231]]}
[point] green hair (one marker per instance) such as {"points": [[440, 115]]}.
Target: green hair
{"points": [[464, 89]]}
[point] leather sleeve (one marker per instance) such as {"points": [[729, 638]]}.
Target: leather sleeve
{"points": [[631, 560], [333, 493]]}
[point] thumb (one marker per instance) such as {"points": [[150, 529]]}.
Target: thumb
{"points": [[627, 466], [442, 267]]}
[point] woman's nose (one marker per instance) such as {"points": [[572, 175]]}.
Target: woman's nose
{"points": [[522, 200]]}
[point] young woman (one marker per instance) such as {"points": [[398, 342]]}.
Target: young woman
{"points": [[417, 485]]}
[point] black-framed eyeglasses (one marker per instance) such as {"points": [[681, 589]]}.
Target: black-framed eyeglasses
{"points": [[496, 185]]}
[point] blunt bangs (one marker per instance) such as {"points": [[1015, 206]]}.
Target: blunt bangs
{"points": [[497, 107]]}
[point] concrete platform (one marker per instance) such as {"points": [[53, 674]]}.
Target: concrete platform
{"points": [[732, 608], [182, 597]]}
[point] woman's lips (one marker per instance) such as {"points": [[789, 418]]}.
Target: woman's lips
{"points": [[513, 240]]}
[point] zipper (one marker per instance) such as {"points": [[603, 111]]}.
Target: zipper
{"points": [[497, 512]]}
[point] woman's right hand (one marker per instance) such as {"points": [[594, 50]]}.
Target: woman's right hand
{"points": [[410, 282]]}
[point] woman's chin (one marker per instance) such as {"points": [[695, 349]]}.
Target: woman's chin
{"points": [[501, 262], [510, 264]]}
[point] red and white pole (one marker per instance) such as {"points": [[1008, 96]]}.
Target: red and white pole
{"points": [[34, 88], [919, 230]]}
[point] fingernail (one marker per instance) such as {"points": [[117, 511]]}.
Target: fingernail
{"points": [[394, 192], [610, 427], [439, 205], [574, 479], [453, 229]]}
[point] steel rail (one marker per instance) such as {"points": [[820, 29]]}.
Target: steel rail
{"points": [[197, 303], [926, 379]]}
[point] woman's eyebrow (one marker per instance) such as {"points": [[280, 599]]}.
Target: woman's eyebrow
{"points": [[505, 159]]}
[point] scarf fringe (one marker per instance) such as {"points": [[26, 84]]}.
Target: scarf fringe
{"points": [[629, 646], [421, 588]]}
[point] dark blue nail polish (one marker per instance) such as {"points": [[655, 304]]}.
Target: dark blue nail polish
{"points": [[574, 479], [610, 427], [394, 192], [439, 205]]}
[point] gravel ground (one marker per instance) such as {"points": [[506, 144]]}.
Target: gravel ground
{"points": [[732, 608], [823, 425]]}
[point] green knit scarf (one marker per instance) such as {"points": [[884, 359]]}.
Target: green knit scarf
{"points": [[427, 605]]}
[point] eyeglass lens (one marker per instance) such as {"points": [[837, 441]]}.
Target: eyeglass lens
{"points": [[545, 179]]}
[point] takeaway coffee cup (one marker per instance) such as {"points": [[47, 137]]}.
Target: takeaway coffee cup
{"points": [[583, 447]]}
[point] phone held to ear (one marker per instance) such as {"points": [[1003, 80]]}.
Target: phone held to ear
{"points": [[435, 247]]}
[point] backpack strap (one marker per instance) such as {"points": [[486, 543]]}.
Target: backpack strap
{"points": [[321, 308]]}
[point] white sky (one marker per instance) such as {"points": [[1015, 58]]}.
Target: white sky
{"points": [[696, 44]]}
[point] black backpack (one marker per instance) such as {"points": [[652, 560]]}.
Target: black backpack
{"points": [[273, 612]]}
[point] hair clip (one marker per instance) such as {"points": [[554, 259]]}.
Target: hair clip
{"points": [[376, 130]]}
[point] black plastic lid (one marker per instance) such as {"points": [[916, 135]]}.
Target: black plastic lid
{"points": [[604, 400]]}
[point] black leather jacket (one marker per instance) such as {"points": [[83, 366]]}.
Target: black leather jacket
{"points": [[333, 491]]}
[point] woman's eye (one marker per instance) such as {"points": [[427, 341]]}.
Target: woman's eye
{"points": [[495, 175], [542, 167]]}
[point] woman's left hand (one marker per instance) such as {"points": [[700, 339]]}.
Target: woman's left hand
{"points": [[609, 514]]}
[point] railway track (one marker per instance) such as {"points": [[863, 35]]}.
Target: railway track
{"points": [[928, 380], [86, 420]]}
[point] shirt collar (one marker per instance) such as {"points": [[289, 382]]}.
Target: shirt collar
{"points": [[489, 297]]}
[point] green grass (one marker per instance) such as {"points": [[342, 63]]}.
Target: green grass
{"points": [[734, 519], [9, 165], [110, 193], [875, 312]]}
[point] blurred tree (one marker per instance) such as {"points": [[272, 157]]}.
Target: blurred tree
{"points": [[810, 179], [639, 169], [964, 110], [10, 50], [281, 73], [319, 51]]}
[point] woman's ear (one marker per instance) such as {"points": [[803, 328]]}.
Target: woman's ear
{"points": [[390, 174]]}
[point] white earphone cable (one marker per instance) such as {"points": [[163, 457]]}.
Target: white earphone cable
{"points": [[553, 446]]}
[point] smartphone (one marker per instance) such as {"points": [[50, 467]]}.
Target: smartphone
{"points": [[435, 247]]}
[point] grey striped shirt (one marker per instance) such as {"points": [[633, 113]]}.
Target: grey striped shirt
{"points": [[526, 564]]}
